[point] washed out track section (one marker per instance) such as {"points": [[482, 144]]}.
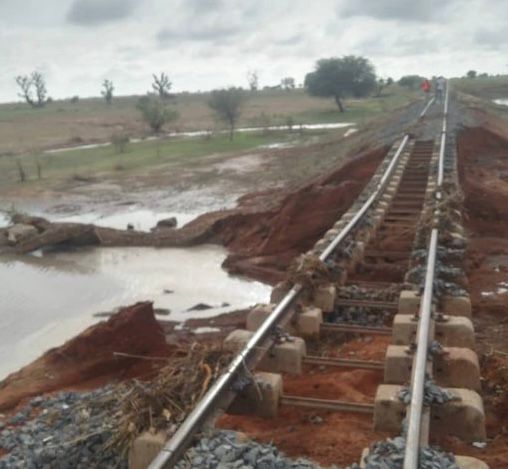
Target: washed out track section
{"points": [[365, 277]]}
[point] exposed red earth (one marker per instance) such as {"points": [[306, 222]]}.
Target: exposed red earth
{"points": [[264, 234], [89, 359]]}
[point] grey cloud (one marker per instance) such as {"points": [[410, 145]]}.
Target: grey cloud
{"points": [[215, 32], [93, 12], [291, 40], [491, 39], [421, 11]]}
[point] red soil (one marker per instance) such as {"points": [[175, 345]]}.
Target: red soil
{"points": [[270, 229], [483, 169], [339, 438], [89, 360]]}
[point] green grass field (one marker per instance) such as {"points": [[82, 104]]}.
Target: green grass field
{"points": [[146, 154]]}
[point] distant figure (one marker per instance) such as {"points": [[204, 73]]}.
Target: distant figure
{"points": [[440, 88], [425, 86]]}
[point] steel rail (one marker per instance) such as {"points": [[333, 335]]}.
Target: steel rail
{"points": [[440, 173], [343, 362], [326, 404], [420, 362], [367, 204], [426, 108], [175, 447], [415, 414], [354, 328]]}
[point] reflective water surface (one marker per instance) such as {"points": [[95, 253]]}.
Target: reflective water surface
{"points": [[46, 299]]}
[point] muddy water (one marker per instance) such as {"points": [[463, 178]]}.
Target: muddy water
{"points": [[48, 299]]}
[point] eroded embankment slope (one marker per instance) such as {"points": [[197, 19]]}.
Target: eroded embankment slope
{"points": [[105, 352]]}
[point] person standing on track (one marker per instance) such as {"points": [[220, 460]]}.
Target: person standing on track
{"points": [[425, 86], [440, 88]]}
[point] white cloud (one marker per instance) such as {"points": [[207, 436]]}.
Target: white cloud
{"points": [[204, 44]]}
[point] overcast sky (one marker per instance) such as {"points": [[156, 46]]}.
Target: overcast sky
{"points": [[203, 44]]}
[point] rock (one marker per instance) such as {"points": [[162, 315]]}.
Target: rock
{"points": [[170, 222], [200, 307], [37, 401], [20, 232]]}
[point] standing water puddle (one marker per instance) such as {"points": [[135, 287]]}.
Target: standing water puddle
{"points": [[503, 101], [201, 133], [48, 299], [140, 219]]}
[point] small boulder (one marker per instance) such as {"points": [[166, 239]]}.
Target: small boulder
{"points": [[20, 232], [170, 222], [200, 307]]}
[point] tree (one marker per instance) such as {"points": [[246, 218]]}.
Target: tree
{"points": [[30, 84], [107, 91], [288, 83], [120, 139], [341, 77], [471, 74], [227, 103], [253, 79], [161, 85], [411, 81], [155, 112], [382, 84]]}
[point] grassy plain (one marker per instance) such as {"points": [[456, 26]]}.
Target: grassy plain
{"points": [[483, 87], [85, 163], [61, 123]]}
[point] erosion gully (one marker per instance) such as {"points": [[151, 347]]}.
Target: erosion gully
{"points": [[325, 366]]}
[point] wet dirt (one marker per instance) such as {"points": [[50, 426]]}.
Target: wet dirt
{"points": [[336, 439]]}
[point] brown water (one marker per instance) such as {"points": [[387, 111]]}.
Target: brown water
{"points": [[47, 299]]}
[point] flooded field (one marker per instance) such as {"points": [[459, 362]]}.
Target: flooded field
{"points": [[48, 299]]}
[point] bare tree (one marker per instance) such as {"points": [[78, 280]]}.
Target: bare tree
{"points": [[253, 79], [21, 171], [161, 85], [107, 91], [227, 103], [30, 85]]}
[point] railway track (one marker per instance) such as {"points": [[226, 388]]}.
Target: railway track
{"points": [[389, 267]]}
